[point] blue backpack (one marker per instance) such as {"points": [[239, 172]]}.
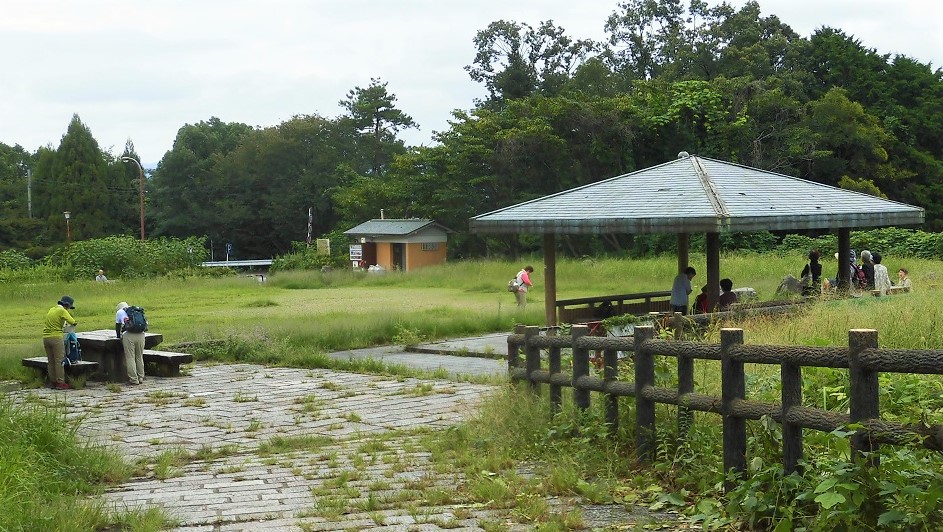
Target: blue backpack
{"points": [[73, 351], [136, 321]]}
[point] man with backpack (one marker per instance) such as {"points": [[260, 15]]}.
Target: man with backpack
{"points": [[130, 325]]}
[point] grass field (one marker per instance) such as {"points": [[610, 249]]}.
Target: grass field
{"points": [[295, 316]]}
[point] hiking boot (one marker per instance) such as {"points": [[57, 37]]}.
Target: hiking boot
{"points": [[62, 386]]}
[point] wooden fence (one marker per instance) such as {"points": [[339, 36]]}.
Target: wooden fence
{"points": [[863, 359]]}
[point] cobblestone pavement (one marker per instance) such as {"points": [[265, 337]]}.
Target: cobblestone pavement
{"points": [[233, 412], [291, 449]]}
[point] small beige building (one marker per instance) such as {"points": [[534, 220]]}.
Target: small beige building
{"points": [[399, 244]]}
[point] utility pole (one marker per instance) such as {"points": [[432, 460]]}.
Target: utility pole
{"points": [[29, 192], [140, 187], [310, 219]]}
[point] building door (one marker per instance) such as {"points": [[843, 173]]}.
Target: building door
{"points": [[399, 257]]}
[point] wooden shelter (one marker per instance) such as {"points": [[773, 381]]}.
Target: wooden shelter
{"points": [[401, 244], [695, 194]]}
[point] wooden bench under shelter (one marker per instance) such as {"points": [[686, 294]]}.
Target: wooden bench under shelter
{"points": [[82, 367], [165, 363], [894, 290], [586, 309]]}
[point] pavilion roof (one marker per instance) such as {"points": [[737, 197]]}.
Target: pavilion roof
{"points": [[697, 194]]}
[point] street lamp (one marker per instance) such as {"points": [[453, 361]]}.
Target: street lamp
{"points": [[140, 188], [68, 228]]}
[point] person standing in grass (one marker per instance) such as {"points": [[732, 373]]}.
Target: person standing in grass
{"points": [[681, 289], [811, 276], [56, 318], [523, 283]]}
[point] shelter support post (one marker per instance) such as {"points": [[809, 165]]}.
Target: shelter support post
{"points": [[713, 270], [684, 243], [844, 253], [550, 278]]}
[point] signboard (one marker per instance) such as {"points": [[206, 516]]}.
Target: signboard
{"points": [[356, 252], [324, 246]]}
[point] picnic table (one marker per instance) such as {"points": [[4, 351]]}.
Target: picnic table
{"points": [[104, 346], [103, 357]]}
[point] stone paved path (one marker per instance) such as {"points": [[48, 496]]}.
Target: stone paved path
{"points": [[232, 409], [271, 449]]}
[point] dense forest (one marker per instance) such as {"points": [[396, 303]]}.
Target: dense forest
{"points": [[556, 112]]}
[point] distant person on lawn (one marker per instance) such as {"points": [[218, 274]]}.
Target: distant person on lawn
{"points": [[101, 277], [524, 282], [903, 278], [728, 297], [56, 318]]}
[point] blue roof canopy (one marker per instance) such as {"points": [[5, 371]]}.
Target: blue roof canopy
{"points": [[697, 194]]}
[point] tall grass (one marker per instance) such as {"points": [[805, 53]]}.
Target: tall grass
{"points": [[47, 472]]}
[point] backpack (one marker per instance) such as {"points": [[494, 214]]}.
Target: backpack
{"points": [[136, 321], [73, 352], [860, 278], [514, 285]]}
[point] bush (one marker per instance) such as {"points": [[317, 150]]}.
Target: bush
{"points": [[304, 257], [11, 259]]}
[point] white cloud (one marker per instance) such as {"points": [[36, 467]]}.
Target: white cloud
{"points": [[142, 69]]}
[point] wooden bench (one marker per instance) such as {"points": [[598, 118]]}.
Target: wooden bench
{"points": [[584, 309], [892, 291], [165, 363], [82, 367]]}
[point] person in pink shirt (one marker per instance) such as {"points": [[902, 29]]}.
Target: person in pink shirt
{"points": [[523, 281]]}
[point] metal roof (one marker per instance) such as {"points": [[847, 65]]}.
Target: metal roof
{"points": [[394, 227], [697, 194]]}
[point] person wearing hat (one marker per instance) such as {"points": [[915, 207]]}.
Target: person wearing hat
{"points": [[133, 343], [101, 277], [56, 318]]}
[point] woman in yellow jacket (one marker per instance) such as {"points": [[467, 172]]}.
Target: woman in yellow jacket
{"points": [[52, 340]]}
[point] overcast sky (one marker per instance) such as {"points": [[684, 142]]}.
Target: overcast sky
{"points": [[140, 70]]}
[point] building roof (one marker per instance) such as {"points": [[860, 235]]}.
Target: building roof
{"points": [[394, 227], [697, 194]]}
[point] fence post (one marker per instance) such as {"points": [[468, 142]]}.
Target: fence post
{"points": [[864, 390], [580, 367], [685, 382], [644, 408], [791, 376], [732, 388], [532, 356], [514, 351], [611, 373], [556, 391]]}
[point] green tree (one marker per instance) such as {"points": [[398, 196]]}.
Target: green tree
{"points": [[189, 191], [849, 141], [372, 112], [78, 177], [515, 60]]}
